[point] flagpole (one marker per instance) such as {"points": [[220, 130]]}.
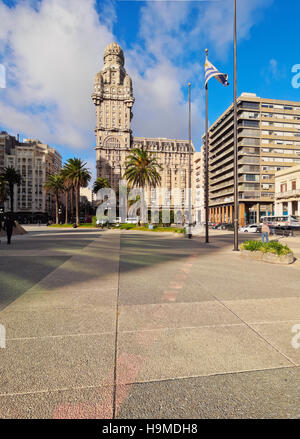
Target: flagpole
{"points": [[236, 194], [206, 163], [190, 171]]}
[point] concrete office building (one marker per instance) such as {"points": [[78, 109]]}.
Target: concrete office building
{"points": [[268, 141]]}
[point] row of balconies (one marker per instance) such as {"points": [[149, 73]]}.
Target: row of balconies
{"points": [[244, 160], [288, 194]]}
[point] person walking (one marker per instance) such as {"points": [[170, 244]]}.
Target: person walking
{"points": [[0, 226], [265, 230], [9, 224]]}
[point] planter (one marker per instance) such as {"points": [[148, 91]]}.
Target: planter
{"points": [[271, 258]]}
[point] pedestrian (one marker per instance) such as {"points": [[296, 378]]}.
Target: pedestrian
{"points": [[265, 229], [9, 224], [0, 225]]}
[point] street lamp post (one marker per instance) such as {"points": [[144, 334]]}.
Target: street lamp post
{"points": [[236, 193], [206, 164]]}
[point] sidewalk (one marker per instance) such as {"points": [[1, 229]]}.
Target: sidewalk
{"points": [[146, 325]]}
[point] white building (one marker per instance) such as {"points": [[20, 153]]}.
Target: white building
{"points": [[113, 98], [287, 191], [199, 185], [86, 194], [35, 161]]}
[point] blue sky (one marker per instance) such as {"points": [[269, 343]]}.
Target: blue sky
{"points": [[52, 49]]}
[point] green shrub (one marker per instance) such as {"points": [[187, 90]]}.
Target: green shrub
{"points": [[252, 246], [127, 226], [267, 247]]}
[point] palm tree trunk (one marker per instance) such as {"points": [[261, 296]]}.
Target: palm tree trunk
{"points": [[11, 195], [71, 202], [66, 207], [77, 204], [56, 207]]}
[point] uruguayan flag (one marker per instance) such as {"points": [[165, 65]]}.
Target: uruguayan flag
{"points": [[211, 71]]}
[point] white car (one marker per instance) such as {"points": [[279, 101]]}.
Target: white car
{"points": [[252, 228], [131, 221]]}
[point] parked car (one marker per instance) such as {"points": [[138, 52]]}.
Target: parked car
{"points": [[131, 221], [223, 226], [251, 228], [229, 227], [116, 220]]}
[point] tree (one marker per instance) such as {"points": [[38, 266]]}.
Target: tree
{"points": [[76, 172], [55, 185], [12, 177], [100, 183], [3, 189], [68, 189], [142, 168]]}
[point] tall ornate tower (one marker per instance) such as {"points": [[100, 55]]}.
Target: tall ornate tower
{"points": [[113, 98]]}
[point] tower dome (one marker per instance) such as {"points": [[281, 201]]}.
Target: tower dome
{"points": [[114, 50]]}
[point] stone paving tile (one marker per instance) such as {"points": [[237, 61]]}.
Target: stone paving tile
{"points": [[232, 278], [281, 335], [267, 394], [166, 354], [30, 365], [67, 298], [85, 403], [19, 274], [40, 322], [174, 315], [266, 310]]}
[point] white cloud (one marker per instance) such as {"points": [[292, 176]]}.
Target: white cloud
{"points": [[52, 54], [53, 48], [170, 33]]}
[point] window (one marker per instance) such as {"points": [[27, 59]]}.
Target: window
{"points": [[283, 187], [251, 177], [293, 185], [112, 142], [253, 105], [251, 123]]}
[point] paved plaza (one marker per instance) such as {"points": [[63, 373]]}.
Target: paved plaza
{"points": [[104, 324]]}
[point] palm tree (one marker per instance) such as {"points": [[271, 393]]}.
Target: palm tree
{"points": [[68, 188], [142, 168], [3, 189], [55, 185], [12, 178], [100, 183], [77, 173]]}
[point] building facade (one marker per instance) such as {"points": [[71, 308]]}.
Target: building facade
{"points": [[35, 161], [7, 144], [113, 98], [268, 141], [199, 187], [287, 192]]}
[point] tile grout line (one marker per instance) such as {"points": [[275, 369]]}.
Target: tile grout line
{"points": [[129, 383], [257, 333], [133, 331]]}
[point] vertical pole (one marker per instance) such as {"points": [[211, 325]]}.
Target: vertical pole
{"points": [[190, 167], [206, 163], [236, 193]]}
